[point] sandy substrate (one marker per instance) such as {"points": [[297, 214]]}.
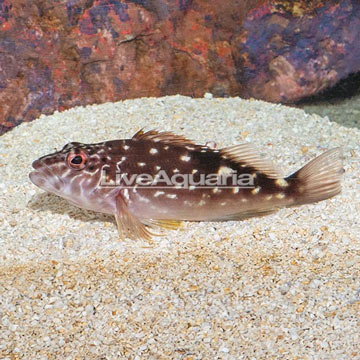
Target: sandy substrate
{"points": [[285, 286]]}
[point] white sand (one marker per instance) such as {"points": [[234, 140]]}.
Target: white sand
{"points": [[286, 286]]}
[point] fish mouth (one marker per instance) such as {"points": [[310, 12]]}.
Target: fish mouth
{"points": [[43, 177], [37, 179]]}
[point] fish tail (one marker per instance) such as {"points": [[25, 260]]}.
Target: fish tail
{"points": [[318, 180]]}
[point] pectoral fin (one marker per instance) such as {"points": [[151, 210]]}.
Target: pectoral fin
{"points": [[128, 224]]}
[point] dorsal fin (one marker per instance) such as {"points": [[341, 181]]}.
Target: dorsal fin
{"points": [[166, 137], [247, 154]]}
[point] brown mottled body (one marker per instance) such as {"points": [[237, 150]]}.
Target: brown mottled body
{"points": [[96, 177], [195, 203]]}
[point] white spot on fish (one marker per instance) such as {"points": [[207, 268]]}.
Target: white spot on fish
{"points": [[256, 190], [280, 195], [110, 181], [121, 160], [202, 203], [171, 196], [176, 170], [185, 157], [157, 167], [244, 200], [166, 147], [215, 190], [126, 147], [153, 151], [225, 170], [235, 190], [269, 197], [223, 203], [281, 183], [158, 193], [194, 171], [141, 164], [192, 187], [211, 145], [254, 175]]}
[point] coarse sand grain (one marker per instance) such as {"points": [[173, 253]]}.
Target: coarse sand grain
{"points": [[285, 286]]}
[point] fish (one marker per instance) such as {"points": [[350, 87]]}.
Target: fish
{"points": [[157, 179]]}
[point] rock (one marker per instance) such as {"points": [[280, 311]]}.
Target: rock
{"points": [[54, 56], [294, 49]]}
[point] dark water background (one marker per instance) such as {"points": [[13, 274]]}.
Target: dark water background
{"points": [[340, 103]]}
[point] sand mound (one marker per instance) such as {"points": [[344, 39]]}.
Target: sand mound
{"points": [[283, 286]]}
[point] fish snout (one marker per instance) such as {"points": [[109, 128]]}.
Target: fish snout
{"points": [[40, 175], [45, 178]]}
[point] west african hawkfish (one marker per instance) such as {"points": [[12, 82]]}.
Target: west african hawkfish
{"points": [[159, 179]]}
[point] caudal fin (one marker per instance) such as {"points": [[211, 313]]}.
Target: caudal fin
{"points": [[320, 179]]}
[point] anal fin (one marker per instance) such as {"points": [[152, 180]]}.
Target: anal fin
{"points": [[243, 215], [164, 223]]}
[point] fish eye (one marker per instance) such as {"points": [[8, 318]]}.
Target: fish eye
{"points": [[77, 161]]}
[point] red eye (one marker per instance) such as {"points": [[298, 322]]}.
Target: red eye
{"points": [[77, 161]]}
